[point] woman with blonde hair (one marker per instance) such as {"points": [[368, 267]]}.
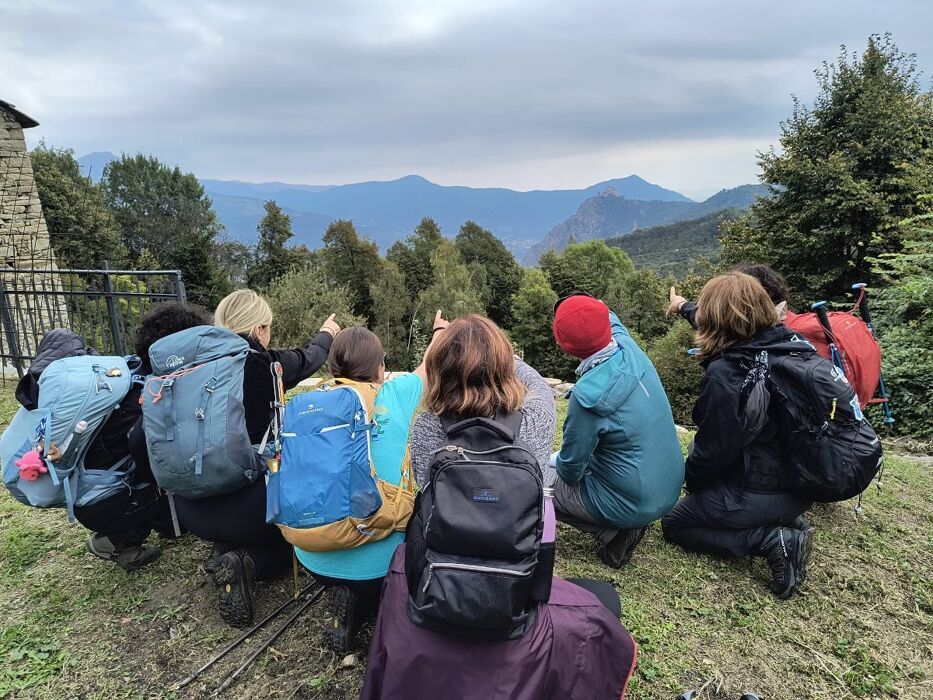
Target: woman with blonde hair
{"points": [[246, 548], [738, 503]]}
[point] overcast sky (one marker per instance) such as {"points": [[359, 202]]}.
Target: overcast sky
{"points": [[510, 93]]}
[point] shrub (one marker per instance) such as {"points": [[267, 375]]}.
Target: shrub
{"points": [[301, 300], [680, 373]]}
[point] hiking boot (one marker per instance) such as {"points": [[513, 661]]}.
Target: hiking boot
{"points": [[210, 566], [345, 617], [787, 551], [235, 574], [800, 523], [620, 548], [129, 559]]}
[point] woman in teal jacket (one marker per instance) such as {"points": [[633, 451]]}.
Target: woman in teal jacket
{"points": [[620, 466]]}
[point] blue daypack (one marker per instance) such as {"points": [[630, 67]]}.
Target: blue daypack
{"points": [[326, 494], [193, 413], [76, 396]]}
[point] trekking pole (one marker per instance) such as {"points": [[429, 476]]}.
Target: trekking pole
{"points": [[866, 317], [311, 598], [239, 640], [820, 309]]}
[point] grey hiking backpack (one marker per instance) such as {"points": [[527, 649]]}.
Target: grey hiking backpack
{"points": [[193, 413]]}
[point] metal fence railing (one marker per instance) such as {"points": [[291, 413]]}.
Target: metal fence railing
{"points": [[103, 306]]}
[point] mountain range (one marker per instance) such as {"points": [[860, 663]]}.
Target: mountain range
{"points": [[386, 211], [610, 214]]}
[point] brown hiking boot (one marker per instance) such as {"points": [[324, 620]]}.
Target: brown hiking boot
{"points": [[129, 559]]}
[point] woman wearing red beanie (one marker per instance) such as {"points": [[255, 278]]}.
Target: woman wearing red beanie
{"points": [[620, 466]]}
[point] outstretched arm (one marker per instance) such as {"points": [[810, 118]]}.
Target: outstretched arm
{"points": [[440, 325], [301, 363]]}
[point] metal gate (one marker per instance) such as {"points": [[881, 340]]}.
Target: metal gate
{"points": [[102, 306]]}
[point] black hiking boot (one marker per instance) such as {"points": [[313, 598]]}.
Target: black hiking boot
{"points": [[217, 551], [345, 617], [800, 523], [129, 558], [619, 551], [235, 574], [787, 551]]}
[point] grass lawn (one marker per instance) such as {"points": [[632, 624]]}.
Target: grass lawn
{"points": [[73, 626]]}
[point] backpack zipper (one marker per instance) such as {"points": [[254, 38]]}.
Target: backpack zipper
{"points": [[461, 451], [470, 567]]}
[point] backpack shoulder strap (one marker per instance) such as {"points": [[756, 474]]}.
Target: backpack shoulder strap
{"points": [[506, 425], [512, 421]]}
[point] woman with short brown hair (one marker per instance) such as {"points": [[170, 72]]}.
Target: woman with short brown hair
{"points": [[472, 371], [738, 503]]}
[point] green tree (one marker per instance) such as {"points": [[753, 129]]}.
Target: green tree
{"points": [[301, 301], [82, 231], [680, 373], [165, 211], [532, 309], [453, 289], [353, 263], [480, 247], [904, 311], [272, 257], [413, 256], [849, 169], [591, 267], [235, 258], [392, 315], [641, 300]]}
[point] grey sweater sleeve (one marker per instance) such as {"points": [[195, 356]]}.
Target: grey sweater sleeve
{"points": [[539, 421]]}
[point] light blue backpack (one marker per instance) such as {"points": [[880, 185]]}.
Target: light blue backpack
{"points": [[76, 396], [193, 413]]}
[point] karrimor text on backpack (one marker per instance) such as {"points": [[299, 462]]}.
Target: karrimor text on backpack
{"points": [[326, 494], [42, 449], [193, 413], [473, 542], [834, 452]]}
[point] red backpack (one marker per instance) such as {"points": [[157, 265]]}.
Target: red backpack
{"points": [[860, 352]]}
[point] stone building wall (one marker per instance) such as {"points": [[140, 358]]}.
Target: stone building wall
{"points": [[24, 237], [24, 245]]}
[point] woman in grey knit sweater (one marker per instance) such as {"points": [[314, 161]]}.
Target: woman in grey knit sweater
{"points": [[530, 391]]}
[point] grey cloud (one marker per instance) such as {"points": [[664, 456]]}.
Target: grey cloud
{"points": [[340, 91]]}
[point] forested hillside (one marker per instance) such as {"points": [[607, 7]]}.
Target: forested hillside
{"points": [[672, 247], [611, 214]]}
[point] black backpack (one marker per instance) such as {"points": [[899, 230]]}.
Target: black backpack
{"points": [[835, 453], [473, 557]]}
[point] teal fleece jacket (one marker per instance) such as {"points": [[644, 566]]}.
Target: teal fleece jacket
{"points": [[620, 444]]}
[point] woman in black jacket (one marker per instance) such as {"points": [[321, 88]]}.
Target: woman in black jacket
{"points": [[738, 503], [122, 523], [246, 548]]}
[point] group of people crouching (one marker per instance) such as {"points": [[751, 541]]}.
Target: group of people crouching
{"points": [[620, 468]]}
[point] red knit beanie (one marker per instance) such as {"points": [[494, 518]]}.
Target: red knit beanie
{"points": [[581, 326]]}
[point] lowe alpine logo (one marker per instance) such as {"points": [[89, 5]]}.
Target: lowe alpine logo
{"points": [[174, 361], [486, 496]]}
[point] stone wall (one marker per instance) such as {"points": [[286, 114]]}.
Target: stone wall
{"points": [[24, 244], [24, 237]]}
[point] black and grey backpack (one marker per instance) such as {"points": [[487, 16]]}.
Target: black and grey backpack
{"points": [[473, 543]]}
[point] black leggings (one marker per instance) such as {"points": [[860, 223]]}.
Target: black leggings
{"points": [[238, 521], [607, 595]]}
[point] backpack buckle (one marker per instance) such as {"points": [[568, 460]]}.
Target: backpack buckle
{"points": [[199, 413]]}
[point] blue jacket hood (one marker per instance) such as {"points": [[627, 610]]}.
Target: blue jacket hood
{"points": [[606, 387]]}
